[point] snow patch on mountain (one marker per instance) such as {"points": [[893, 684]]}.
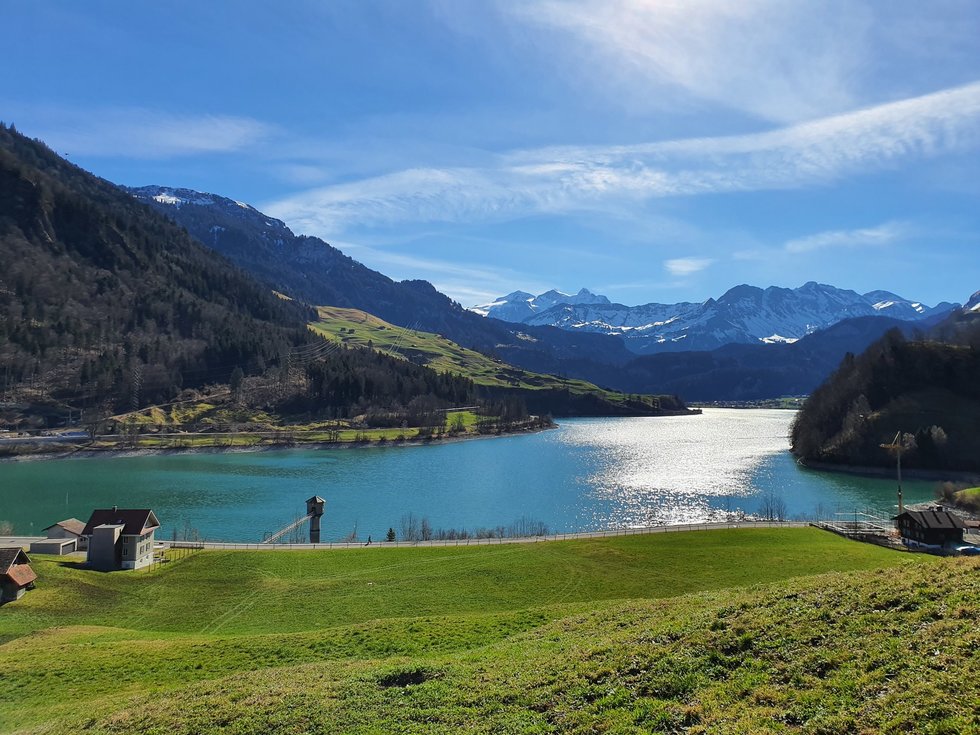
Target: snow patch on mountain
{"points": [[774, 339], [521, 307], [744, 314], [974, 303]]}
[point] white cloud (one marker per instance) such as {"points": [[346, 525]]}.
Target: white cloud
{"points": [[570, 179], [681, 267], [884, 234], [141, 133], [454, 278], [782, 61]]}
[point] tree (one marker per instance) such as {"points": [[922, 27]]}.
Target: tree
{"points": [[235, 383], [410, 527], [772, 507], [390, 536]]}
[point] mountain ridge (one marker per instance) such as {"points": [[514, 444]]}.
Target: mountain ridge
{"points": [[314, 271], [744, 314]]}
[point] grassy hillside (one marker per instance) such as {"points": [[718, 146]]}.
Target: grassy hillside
{"points": [[648, 633], [357, 328]]}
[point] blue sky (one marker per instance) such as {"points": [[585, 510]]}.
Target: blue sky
{"points": [[650, 150]]}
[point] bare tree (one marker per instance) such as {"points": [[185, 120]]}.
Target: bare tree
{"points": [[410, 528], [772, 506]]}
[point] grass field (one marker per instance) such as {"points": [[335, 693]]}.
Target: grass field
{"points": [[718, 631], [969, 498], [358, 328]]}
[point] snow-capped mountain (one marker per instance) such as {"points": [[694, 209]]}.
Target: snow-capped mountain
{"points": [[744, 314], [520, 306], [273, 230], [974, 303]]}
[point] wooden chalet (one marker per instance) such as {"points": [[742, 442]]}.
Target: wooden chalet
{"points": [[16, 575], [932, 527]]}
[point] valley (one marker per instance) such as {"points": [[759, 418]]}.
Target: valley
{"points": [[276, 458]]}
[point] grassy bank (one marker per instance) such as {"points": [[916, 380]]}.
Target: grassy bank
{"points": [[565, 636]]}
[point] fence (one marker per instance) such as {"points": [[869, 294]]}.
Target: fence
{"points": [[495, 541]]}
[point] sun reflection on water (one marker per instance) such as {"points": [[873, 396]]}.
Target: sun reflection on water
{"points": [[669, 470]]}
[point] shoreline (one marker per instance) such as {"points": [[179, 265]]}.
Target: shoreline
{"points": [[113, 453], [910, 473]]}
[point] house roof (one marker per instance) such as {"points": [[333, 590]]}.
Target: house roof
{"points": [[72, 525], [933, 518], [15, 564], [134, 522]]}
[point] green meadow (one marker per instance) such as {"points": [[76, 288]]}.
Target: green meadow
{"points": [[358, 328], [782, 630]]}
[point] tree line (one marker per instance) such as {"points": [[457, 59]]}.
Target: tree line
{"points": [[920, 397]]}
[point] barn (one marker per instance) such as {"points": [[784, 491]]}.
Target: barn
{"points": [[935, 527]]}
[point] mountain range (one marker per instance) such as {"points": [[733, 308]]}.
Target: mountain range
{"points": [[748, 344], [742, 315]]}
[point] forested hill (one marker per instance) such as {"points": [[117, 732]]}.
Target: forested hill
{"points": [[925, 390], [108, 306], [312, 270], [104, 300]]}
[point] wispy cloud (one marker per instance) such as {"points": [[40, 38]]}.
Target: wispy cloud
{"points": [[776, 60], [137, 132], [467, 283], [884, 234], [584, 178], [681, 267]]}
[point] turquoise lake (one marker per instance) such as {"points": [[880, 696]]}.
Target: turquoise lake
{"points": [[589, 474]]}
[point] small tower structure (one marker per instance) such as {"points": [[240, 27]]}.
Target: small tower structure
{"points": [[314, 509]]}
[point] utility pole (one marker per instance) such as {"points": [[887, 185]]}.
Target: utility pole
{"points": [[896, 446]]}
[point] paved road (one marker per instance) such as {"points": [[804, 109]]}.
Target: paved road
{"points": [[491, 541], [24, 541], [54, 439]]}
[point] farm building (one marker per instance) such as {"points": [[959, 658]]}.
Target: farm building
{"points": [[64, 537], [932, 527], [16, 575], [120, 538]]}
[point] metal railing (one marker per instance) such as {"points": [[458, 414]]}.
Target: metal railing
{"points": [[498, 540]]}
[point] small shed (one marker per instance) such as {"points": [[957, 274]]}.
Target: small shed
{"points": [[931, 527], [63, 537], [70, 528], [54, 546], [16, 575]]}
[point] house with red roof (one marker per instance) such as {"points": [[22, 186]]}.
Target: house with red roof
{"points": [[16, 575]]}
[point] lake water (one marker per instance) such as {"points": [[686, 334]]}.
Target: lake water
{"points": [[589, 474]]}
